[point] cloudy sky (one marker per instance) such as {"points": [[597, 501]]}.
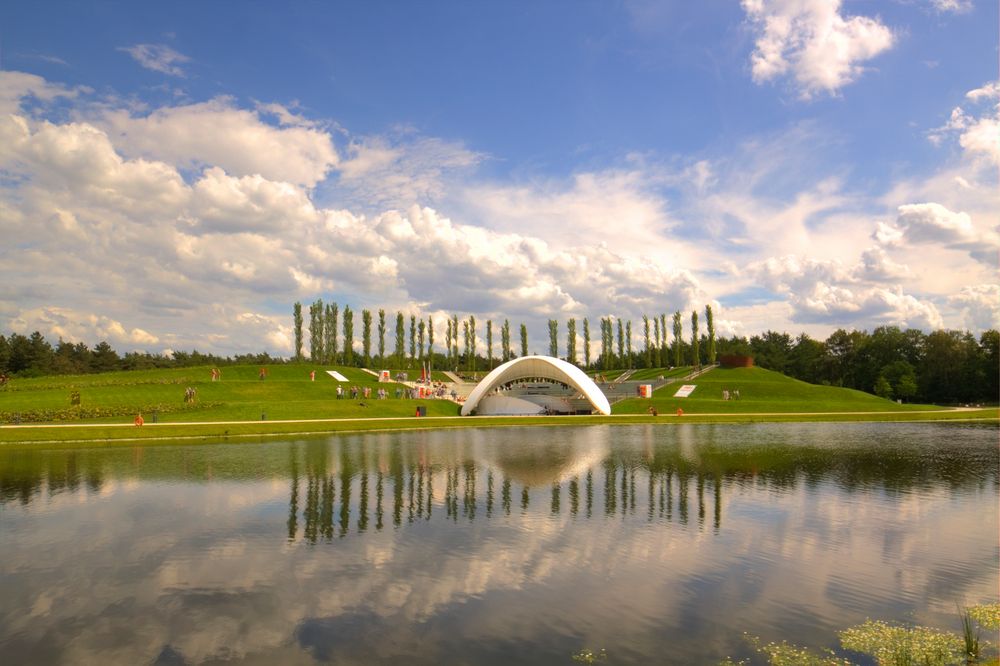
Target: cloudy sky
{"points": [[175, 176]]}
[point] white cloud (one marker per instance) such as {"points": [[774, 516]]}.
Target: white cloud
{"points": [[157, 57], [811, 41], [978, 132], [76, 326], [933, 224], [16, 87], [217, 133], [400, 170], [980, 306], [957, 6]]}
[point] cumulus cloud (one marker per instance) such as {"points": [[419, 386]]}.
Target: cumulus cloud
{"points": [[980, 306], [811, 41], [76, 326], [16, 87], [157, 57], [933, 224], [218, 133], [957, 6], [400, 170], [977, 130], [828, 293]]}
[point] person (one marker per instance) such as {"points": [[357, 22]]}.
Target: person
{"points": [[652, 410], [262, 373], [139, 420], [312, 375], [340, 392]]}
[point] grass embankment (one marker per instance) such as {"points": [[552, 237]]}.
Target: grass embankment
{"points": [[285, 393], [761, 392], [292, 404]]}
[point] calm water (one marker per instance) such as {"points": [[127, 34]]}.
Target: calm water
{"points": [[659, 544]]}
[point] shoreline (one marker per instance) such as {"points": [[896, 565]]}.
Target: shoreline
{"points": [[128, 433]]}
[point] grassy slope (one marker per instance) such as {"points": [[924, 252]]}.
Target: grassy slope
{"points": [[761, 391], [286, 393]]}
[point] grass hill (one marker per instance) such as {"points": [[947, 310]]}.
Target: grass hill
{"points": [[761, 391], [285, 393]]}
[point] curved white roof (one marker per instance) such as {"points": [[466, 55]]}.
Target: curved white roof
{"points": [[545, 367]]}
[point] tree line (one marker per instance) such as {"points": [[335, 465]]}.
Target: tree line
{"points": [[943, 367], [331, 340], [34, 356]]}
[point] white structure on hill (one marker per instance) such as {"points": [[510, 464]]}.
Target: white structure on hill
{"points": [[535, 385]]}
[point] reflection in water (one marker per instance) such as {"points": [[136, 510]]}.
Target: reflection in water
{"points": [[665, 542]]}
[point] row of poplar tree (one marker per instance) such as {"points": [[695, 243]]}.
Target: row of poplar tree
{"points": [[332, 340]]}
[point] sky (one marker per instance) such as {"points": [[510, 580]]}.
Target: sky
{"points": [[174, 176]]}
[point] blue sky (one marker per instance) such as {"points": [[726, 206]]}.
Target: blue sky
{"points": [[175, 176]]}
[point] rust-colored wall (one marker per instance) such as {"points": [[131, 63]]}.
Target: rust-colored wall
{"points": [[734, 361]]}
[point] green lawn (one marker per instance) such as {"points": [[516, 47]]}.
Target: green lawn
{"points": [[761, 391], [285, 393]]}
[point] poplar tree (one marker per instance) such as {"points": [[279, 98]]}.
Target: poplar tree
{"points": [[430, 341], [621, 345], [330, 334], [505, 340], [489, 343], [454, 335], [663, 353], [400, 340], [586, 343], [710, 324], [571, 340], [447, 341], [695, 356], [656, 339], [421, 330], [628, 341], [465, 331], [678, 332], [524, 340], [413, 336], [472, 341], [553, 338], [297, 320], [649, 351], [381, 336], [313, 333], [366, 335], [348, 335]]}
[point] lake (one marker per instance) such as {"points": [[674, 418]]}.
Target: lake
{"points": [[659, 544]]}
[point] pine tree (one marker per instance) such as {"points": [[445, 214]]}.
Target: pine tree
{"points": [[297, 320]]}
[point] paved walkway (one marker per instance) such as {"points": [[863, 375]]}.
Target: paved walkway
{"points": [[440, 418]]}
